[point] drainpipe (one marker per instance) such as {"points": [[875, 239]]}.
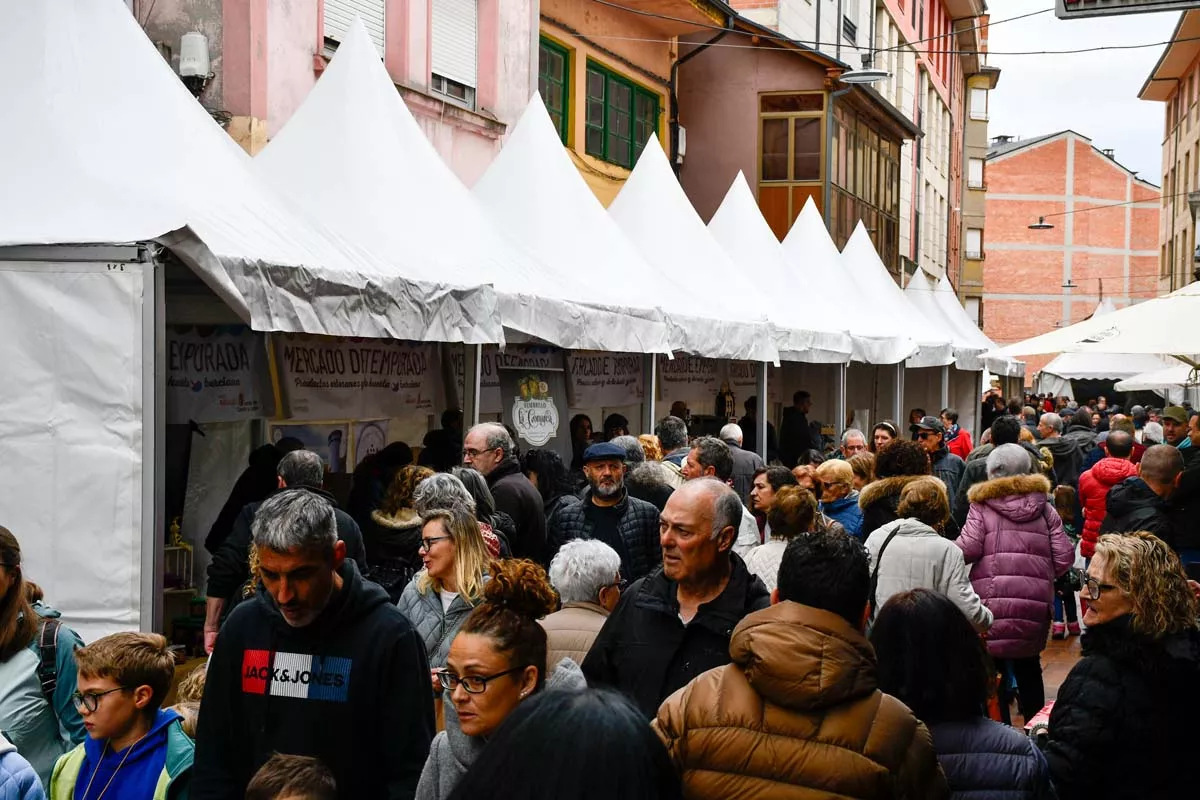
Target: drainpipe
{"points": [[673, 84], [837, 31], [829, 123]]}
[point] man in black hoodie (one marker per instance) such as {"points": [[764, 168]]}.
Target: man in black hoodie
{"points": [[1140, 504], [229, 569], [319, 664]]}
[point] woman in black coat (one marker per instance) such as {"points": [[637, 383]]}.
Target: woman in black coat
{"points": [[1123, 721]]}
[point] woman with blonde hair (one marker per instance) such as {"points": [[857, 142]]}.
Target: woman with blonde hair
{"points": [[863, 466], [1119, 728], [392, 535], [438, 600], [839, 499], [651, 446]]}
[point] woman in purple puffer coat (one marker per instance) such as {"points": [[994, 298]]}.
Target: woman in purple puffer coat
{"points": [[1014, 541]]}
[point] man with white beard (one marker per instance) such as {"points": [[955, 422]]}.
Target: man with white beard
{"points": [[610, 515]]}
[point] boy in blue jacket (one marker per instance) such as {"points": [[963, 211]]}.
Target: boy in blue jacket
{"points": [[135, 750]]}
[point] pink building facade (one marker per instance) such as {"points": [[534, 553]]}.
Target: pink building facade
{"points": [[466, 68]]}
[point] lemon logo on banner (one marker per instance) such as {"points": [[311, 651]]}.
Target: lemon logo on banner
{"points": [[534, 414]]}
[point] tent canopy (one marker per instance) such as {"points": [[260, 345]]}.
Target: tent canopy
{"points": [[533, 191], [660, 221], [967, 349], [110, 147], [816, 269], [354, 153], [812, 334], [883, 296], [1175, 376], [947, 300]]}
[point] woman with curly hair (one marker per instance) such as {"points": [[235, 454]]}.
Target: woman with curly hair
{"points": [[1120, 726], [497, 660], [392, 535], [896, 465]]}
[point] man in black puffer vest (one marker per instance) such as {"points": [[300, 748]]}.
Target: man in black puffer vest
{"points": [[609, 514]]}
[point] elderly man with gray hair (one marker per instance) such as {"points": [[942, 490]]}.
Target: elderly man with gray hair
{"points": [[586, 573], [490, 449], [229, 569], [319, 663], [1068, 455], [745, 463], [676, 622]]}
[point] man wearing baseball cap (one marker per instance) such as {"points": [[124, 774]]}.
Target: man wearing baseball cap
{"points": [[609, 514], [930, 433], [1175, 427]]}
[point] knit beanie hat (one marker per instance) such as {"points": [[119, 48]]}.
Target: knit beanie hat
{"points": [[1007, 460]]}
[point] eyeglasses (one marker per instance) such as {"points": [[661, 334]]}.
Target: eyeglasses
{"points": [[471, 452], [91, 700], [1095, 588], [472, 684], [427, 544], [620, 583]]}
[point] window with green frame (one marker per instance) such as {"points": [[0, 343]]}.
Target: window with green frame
{"points": [[554, 84], [621, 117]]}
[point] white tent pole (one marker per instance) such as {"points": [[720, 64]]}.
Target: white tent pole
{"points": [[898, 397], [945, 387], [760, 420], [649, 391], [473, 380], [154, 407], [840, 397]]}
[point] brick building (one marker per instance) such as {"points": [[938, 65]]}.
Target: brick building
{"points": [[1035, 280]]}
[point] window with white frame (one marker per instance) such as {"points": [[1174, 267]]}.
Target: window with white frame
{"points": [[979, 104], [454, 45], [340, 13], [975, 173], [975, 243]]}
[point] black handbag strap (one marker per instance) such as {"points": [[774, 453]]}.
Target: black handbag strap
{"points": [[875, 572]]}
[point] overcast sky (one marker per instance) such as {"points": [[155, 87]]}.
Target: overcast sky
{"points": [[1094, 94]]}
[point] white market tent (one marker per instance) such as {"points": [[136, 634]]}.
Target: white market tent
{"points": [[1177, 376], [815, 265], [881, 295], [1055, 378], [532, 190], [111, 147], [810, 333], [947, 300], [967, 349], [354, 153], [652, 210]]}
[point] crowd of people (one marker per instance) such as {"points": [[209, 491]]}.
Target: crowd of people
{"points": [[663, 616]]}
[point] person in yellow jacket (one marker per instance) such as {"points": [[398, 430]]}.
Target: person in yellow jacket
{"points": [[135, 749]]}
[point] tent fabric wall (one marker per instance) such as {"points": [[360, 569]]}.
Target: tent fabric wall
{"points": [[218, 458], [923, 389], [71, 435], [966, 392]]}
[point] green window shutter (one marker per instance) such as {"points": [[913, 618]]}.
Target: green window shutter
{"points": [[554, 83]]}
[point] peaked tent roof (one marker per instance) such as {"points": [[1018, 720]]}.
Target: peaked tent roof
{"points": [[112, 148], [1104, 366], [947, 300], [814, 261], [534, 191], [967, 349], [811, 333], [354, 153], [656, 215], [885, 297]]}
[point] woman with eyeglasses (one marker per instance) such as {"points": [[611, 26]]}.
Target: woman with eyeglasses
{"points": [[1123, 720], [497, 660], [439, 598], [37, 670]]}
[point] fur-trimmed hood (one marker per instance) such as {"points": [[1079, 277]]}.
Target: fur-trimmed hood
{"points": [[884, 488], [403, 519], [1020, 497]]}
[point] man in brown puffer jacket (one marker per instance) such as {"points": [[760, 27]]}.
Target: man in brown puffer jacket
{"points": [[797, 714]]}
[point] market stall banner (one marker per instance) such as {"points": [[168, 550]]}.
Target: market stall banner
{"points": [[688, 378], [217, 374], [535, 405], [342, 378], [604, 380], [513, 357], [743, 382]]}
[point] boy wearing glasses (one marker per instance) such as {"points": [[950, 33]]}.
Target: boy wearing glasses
{"points": [[135, 749]]}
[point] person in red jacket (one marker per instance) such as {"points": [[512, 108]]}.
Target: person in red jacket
{"points": [[958, 440], [1095, 483]]}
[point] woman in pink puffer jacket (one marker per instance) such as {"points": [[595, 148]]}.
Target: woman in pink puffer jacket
{"points": [[1014, 542]]}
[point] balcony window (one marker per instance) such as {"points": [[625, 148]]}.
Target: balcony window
{"points": [[975, 243], [979, 104], [621, 117], [975, 174]]}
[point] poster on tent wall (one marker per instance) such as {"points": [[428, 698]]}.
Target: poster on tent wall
{"points": [[597, 379], [743, 382], [689, 378], [217, 374], [535, 405], [324, 377], [494, 360], [331, 441]]}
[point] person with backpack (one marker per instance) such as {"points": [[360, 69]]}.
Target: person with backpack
{"points": [[37, 670]]}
